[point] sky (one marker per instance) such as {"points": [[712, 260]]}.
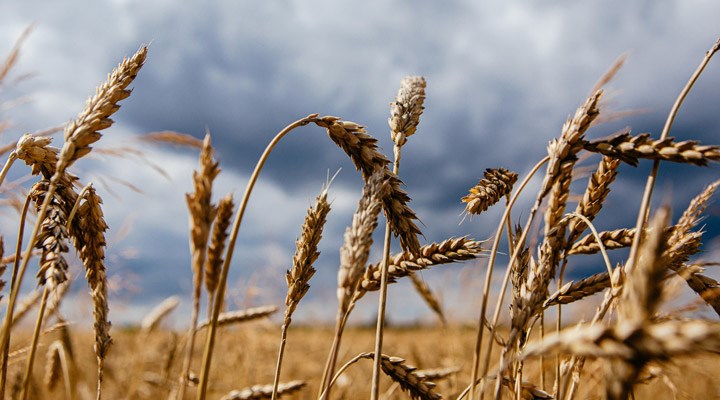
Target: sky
{"points": [[502, 78]]}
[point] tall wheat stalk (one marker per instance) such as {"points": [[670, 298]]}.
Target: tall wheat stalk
{"points": [[405, 114]]}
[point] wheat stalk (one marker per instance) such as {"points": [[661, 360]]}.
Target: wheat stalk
{"points": [[219, 295], [202, 214], [354, 253]]}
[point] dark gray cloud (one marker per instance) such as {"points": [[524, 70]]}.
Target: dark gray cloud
{"points": [[502, 79]]}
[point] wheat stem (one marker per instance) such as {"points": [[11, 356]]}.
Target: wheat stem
{"points": [[11, 159], [650, 184], [79, 199], [13, 286], [34, 343], [375, 390], [488, 278]]}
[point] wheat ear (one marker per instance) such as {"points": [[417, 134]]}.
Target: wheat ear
{"points": [[426, 293], [79, 135], [630, 149], [302, 270], [574, 291], [415, 385], [403, 264], [155, 317], [264, 391], [90, 242], [217, 245], [354, 254], [363, 151], [58, 363], [496, 184], [235, 317], [202, 214]]}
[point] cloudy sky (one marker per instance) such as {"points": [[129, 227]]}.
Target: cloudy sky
{"points": [[502, 78]]}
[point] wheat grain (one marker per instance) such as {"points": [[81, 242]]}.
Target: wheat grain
{"points": [[363, 151]]}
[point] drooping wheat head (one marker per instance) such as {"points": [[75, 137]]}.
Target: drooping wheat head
{"points": [[363, 151]]}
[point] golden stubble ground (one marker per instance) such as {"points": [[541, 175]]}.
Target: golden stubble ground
{"points": [[246, 355]]}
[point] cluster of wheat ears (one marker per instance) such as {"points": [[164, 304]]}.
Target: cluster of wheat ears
{"points": [[627, 334]]}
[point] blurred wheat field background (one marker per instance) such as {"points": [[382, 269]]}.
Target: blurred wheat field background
{"points": [[636, 344]]}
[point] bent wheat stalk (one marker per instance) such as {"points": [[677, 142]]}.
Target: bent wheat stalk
{"points": [[220, 292], [405, 116], [650, 184]]}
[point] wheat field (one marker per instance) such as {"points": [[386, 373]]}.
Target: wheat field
{"points": [[631, 348]]}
